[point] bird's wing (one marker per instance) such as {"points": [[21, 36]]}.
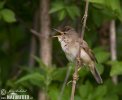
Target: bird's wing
{"points": [[89, 51]]}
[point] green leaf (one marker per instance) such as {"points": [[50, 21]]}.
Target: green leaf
{"points": [[110, 6], [62, 15], [53, 93], [69, 11], [57, 6], [75, 10], [100, 91], [98, 17], [41, 63], [98, 49], [111, 97], [85, 90], [97, 1], [72, 11], [101, 55], [110, 84], [66, 94], [120, 15], [83, 72], [119, 88], [8, 15], [77, 97], [100, 68], [114, 4], [59, 74], [31, 77], [116, 68]]}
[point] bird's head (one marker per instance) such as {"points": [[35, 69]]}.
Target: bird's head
{"points": [[60, 36], [66, 33]]}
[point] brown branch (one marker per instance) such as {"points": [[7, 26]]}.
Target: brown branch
{"points": [[45, 47], [78, 60], [34, 32], [75, 75]]}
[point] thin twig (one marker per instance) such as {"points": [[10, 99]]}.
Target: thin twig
{"points": [[75, 76], [65, 82], [35, 32], [85, 18], [78, 61]]}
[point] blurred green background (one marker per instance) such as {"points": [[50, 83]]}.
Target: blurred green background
{"points": [[23, 65]]}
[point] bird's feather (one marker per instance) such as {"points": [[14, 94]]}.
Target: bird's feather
{"points": [[89, 51], [96, 75]]}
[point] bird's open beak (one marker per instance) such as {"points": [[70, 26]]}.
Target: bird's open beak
{"points": [[56, 36], [61, 33]]}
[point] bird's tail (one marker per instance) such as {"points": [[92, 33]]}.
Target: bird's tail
{"points": [[96, 75]]}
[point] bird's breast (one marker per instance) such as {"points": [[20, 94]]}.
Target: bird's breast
{"points": [[64, 46], [71, 51]]}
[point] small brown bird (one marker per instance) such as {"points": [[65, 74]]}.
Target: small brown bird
{"points": [[69, 40]]}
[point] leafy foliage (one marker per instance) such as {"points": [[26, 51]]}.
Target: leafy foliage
{"points": [[116, 68], [63, 10], [8, 15], [113, 6]]}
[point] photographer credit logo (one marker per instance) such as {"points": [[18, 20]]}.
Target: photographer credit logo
{"points": [[15, 95], [3, 92]]}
